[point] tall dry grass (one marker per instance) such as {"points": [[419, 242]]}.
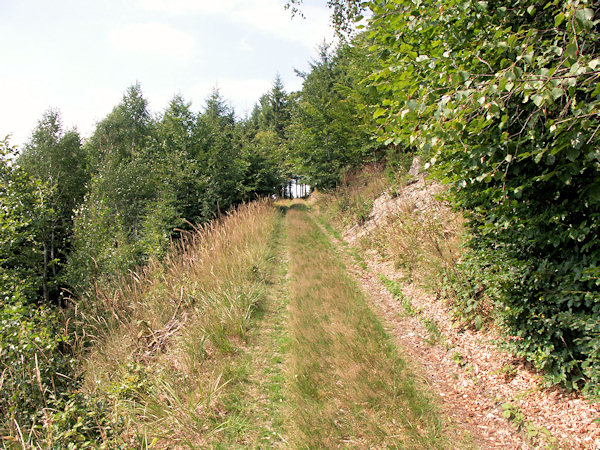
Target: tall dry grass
{"points": [[426, 245], [353, 199], [161, 336], [409, 226]]}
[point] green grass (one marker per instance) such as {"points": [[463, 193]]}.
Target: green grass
{"points": [[253, 334], [348, 384], [255, 398]]}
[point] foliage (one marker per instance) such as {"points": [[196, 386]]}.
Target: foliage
{"points": [[503, 103], [150, 177], [56, 159], [345, 12], [31, 361], [24, 219], [39, 382], [327, 132], [37, 372]]}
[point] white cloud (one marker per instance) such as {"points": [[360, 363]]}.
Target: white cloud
{"points": [[28, 100], [245, 46], [191, 6], [154, 38], [84, 108], [268, 16]]}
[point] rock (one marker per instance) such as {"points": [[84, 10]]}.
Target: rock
{"points": [[415, 168]]}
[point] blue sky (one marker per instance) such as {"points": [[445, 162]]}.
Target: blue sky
{"points": [[80, 56]]}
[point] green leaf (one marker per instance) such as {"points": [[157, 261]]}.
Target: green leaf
{"points": [[557, 93], [378, 113], [594, 193], [538, 99], [572, 154], [571, 51], [585, 15], [559, 19]]}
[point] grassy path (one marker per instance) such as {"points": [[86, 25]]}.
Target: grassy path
{"points": [[347, 384], [318, 370]]}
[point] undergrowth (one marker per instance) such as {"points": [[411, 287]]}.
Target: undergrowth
{"points": [[424, 239], [353, 200]]}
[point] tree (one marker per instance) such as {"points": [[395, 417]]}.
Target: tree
{"points": [[219, 156], [123, 186], [121, 134], [24, 221], [180, 168], [326, 133], [56, 158]]}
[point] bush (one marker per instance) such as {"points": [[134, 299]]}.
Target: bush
{"points": [[33, 363], [39, 399]]}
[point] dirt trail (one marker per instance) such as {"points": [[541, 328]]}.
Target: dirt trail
{"points": [[484, 425], [482, 385], [468, 406], [336, 360]]}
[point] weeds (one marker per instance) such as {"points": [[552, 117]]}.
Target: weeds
{"points": [[353, 199], [423, 238], [432, 327], [537, 435]]}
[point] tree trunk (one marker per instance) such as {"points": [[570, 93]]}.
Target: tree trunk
{"points": [[45, 276]]}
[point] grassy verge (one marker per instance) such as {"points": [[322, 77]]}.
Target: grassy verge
{"points": [[348, 385], [254, 399], [172, 344]]}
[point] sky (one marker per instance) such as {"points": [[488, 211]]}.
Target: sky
{"points": [[79, 56]]}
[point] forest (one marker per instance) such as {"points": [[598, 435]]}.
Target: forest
{"points": [[501, 103]]}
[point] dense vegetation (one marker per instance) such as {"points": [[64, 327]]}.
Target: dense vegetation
{"points": [[500, 101], [503, 103]]}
